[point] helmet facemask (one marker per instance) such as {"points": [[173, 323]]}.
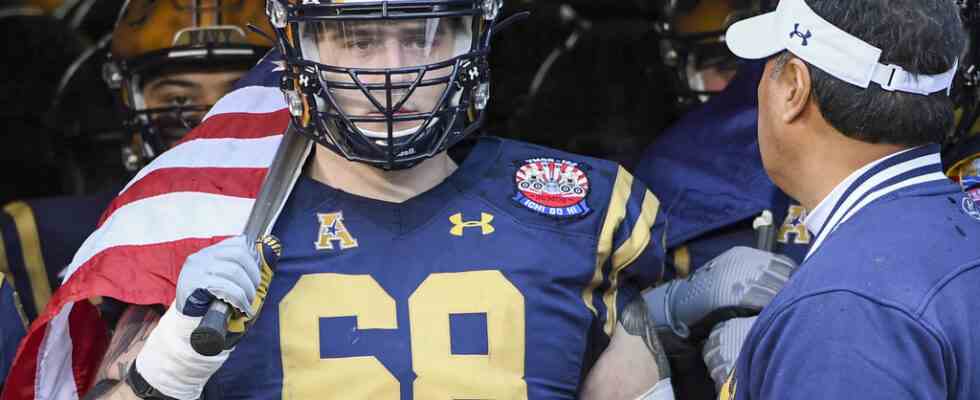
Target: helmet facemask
{"points": [[390, 88], [689, 57]]}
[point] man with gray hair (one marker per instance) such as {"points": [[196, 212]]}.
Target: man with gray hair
{"points": [[852, 102]]}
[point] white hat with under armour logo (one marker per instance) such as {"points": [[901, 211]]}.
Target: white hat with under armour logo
{"points": [[797, 28]]}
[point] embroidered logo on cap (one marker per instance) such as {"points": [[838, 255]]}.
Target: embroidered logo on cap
{"points": [[552, 187], [796, 33]]}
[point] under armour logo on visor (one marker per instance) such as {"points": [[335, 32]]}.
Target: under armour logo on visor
{"points": [[796, 32]]}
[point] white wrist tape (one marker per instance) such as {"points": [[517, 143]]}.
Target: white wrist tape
{"points": [[168, 363], [663, 390]]}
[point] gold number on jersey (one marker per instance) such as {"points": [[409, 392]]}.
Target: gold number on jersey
{"points": [[307, 376], [440, 374]]}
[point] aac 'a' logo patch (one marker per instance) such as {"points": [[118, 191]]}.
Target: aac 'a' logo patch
{"points": [[552, 187], [793, 226], [333, 230]]}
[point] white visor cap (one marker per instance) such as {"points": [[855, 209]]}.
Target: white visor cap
{"points": [[795, 27]]}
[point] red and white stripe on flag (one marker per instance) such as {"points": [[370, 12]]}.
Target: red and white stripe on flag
{"points": [[190, 197]]}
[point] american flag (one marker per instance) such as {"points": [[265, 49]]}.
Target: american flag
{"points": [[190, 197]]}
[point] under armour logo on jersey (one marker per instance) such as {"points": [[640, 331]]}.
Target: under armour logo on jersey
{"points": [[796, 32], [332, 229], [458, 224]]}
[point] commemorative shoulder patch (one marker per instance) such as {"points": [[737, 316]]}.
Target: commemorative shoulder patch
{"points": [[553, 187]]}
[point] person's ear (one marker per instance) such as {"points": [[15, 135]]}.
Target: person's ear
{"points": [[796, 85]]}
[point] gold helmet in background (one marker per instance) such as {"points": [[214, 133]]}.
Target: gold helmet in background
{"points": [[155, 37], [692, 43]]}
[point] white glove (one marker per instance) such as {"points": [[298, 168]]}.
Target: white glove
{"points": [[228, 270], [722, 348], [737, 283]]}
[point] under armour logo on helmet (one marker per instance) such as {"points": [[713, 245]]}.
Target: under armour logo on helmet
{"points": [[796, 32]]}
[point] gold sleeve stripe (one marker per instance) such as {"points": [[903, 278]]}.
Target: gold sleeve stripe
{"points": [[628, 252], [682, 261], [30, 244], [615, 214]]}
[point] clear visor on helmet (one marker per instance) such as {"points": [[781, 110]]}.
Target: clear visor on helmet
{"points": [[387, 43], [387, 77]]}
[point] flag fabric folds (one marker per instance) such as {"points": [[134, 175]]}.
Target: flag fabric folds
{"points": [[190, 197]]}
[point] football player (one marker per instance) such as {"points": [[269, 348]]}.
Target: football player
{"points": [[692, 45], [961, 150], [419, 260], [716, 191], [168, 63], [43, 48]]}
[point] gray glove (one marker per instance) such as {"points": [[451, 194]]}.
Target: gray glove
{"points": [[228, 270], [737, 283], [722, 348]]}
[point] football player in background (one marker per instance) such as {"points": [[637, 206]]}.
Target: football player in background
{"points": [[713, 195], [168, 63], [38, 47], [167, 70], [418, 259], [692, 45], [961, 151]]}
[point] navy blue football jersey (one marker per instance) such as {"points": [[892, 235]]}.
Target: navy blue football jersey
{"points": [[13, 326], [707, 171], [38, 239], [505, 281], [885, 304]]}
